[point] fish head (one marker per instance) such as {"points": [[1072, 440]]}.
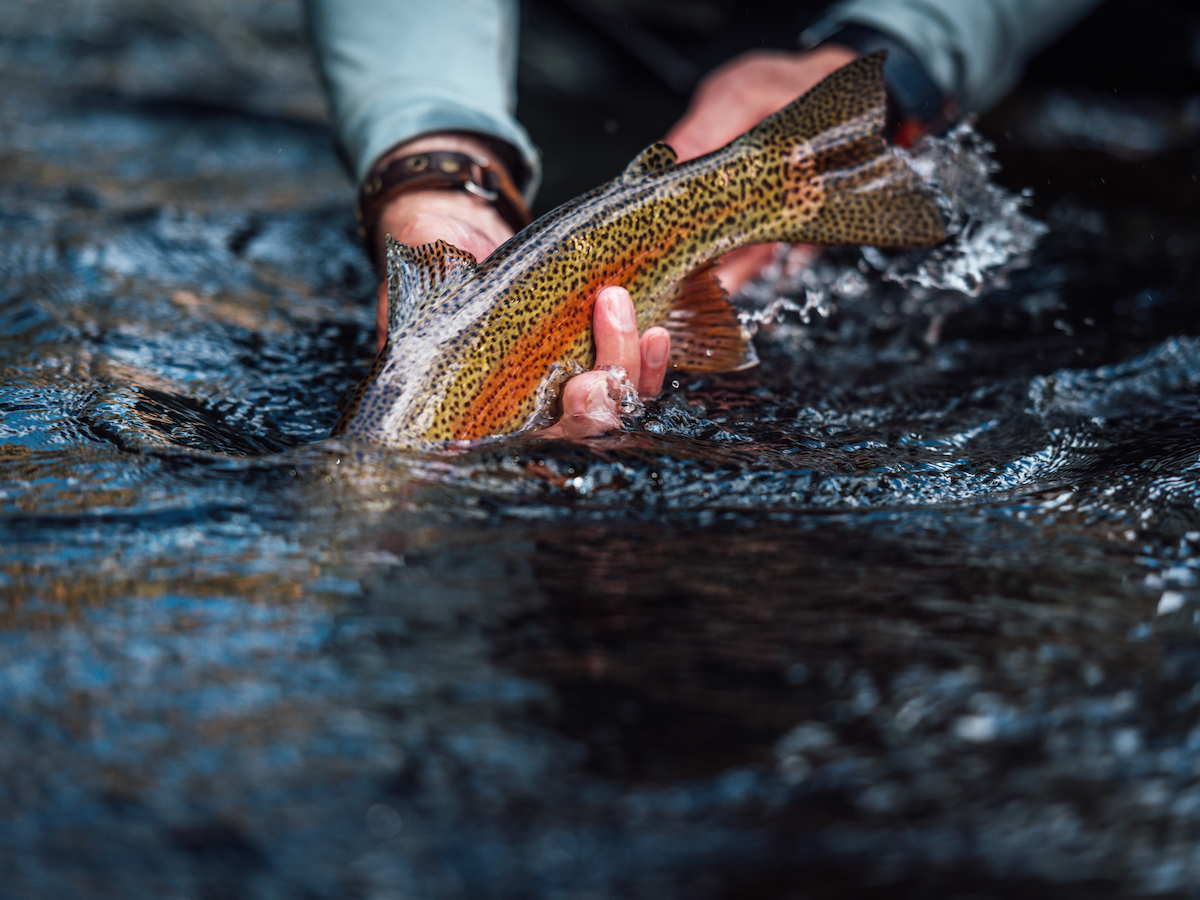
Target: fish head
{"points": [[400, 400]]}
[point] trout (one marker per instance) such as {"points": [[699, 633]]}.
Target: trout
{"points": [[474, 349]]}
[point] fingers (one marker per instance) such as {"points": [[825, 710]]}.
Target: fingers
{"points": [[590, 403], [655, 350], [644, 360], [614, 324]]}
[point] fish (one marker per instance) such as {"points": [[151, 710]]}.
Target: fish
{"points": [[477, 350]]}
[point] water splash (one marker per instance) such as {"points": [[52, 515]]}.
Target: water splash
{"points": [[988, 237], [987, 230]]}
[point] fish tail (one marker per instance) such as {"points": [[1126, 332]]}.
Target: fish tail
{"points": [[839, 183]]}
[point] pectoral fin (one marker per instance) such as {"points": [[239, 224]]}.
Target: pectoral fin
{"points": [[418, 277], [706, 335]]}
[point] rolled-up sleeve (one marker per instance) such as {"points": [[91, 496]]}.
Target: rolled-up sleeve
{"points": [[976, 50], [396, 69]]}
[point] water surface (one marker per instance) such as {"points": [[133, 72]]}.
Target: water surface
{"points": [[908, 610]]}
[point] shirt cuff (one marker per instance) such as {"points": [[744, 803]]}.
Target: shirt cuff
{"points": [[373, 129]]}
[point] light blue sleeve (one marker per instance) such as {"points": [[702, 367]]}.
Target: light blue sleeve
{"points": [[396, 69], [975, 50]]}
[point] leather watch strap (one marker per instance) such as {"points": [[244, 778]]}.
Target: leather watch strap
{"points": [[444, 170]]}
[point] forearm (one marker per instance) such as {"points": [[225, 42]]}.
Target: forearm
{"points": [[975, 50], [397, 69]]}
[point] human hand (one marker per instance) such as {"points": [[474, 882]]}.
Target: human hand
{"points": [[733, 99], [728, 102], [589, 407], [421, 217], [472, 224]]}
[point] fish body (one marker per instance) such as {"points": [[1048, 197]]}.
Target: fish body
{"points": [[472, 348]]}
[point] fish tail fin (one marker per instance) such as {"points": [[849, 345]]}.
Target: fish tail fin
{"points": [[839, 183]]}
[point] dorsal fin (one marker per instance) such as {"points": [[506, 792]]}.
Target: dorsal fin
{"points": [[654, 158], [706, 335], [419, 276]]}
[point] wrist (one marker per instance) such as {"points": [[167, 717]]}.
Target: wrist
{"points": [[466, 168], [454, 141], [459, 218]]}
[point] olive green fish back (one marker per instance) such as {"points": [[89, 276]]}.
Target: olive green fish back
{"points": [[839, 183]]}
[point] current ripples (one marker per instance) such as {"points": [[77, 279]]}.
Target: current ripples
{"points": [[911, 608]]}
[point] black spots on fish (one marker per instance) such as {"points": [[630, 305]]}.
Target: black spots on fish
{"points": [[804, 199], [481, 377], [852, 99], [362, 399], [836, 182], [896, 214], [653, 159]]}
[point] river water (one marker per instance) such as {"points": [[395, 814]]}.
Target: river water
{"points": [[911, 609]]}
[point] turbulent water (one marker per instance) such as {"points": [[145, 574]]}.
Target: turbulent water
{"points": [[912, 608]]}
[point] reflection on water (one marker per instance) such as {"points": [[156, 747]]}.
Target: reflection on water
{"points": [[911, 609]]}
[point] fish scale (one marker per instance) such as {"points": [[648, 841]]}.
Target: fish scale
{"points": [[471, 348]]}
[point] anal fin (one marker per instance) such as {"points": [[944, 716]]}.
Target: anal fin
{"points": [[706, 335]]}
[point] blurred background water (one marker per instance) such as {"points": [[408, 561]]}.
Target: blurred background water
{"points": [[910, 609]]}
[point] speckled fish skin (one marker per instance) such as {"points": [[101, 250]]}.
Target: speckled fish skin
{"points": [[469, 347]]}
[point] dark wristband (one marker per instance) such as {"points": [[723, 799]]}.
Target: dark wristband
{"points": [[442, 170], [916, 105]]}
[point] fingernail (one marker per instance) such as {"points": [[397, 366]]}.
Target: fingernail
{"points": [[621, 311], [656, 353]]}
